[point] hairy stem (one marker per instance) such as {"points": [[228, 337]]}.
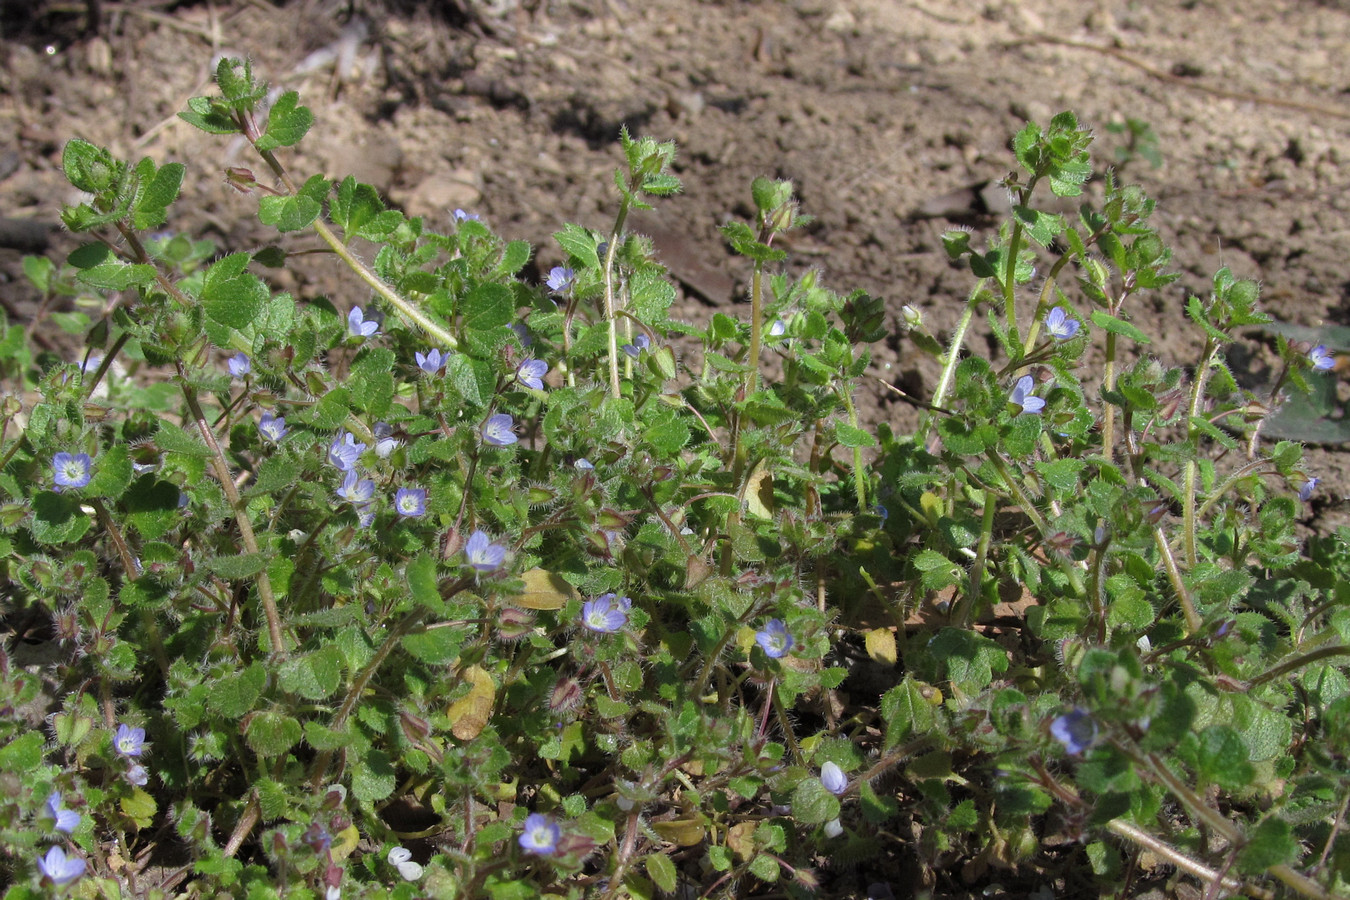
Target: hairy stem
{"points": [[246, 536]]}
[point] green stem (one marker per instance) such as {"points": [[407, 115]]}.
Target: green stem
{"points": [[1188, 513], [859, 473], [609, 297], [246, 535], [364, 272], [358, 688], [953, 358], [1298, 662], [756, 326], [972, 596]]}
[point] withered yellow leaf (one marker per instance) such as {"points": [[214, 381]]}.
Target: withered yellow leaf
{"points": [[758, 493], [469, 714], [881, 645], [544, 590], [741, 839], [686, 832]]}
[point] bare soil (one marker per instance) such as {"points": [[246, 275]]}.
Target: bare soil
{"points": [[889, 116]]}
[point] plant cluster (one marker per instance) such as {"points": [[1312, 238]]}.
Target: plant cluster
{"points": [[485, 588]]}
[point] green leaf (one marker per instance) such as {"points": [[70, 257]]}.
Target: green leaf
{"points": [[23, 754], [579, 245], [234, 695], [90, 168], [206, 114], [116, 276], [936, 570], [1270, 843], [662, 872], [668, 434], [1222, 758], [287, 124], [371, 380], [1118, 326], [372, 777], [969, 660], [57, 518], [488, 306], [112, 474], [850, 436], [230, 295], [151, 506], [332, 409], [436, 646], [272, 734], [514, 258], [321, 737], [156, 189], [313, 676], [906, 711], [355, 204], [420, 574], [812, 804], [238, 567]]}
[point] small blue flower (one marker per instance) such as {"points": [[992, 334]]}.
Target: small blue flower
{"points": [[531, 373], [272, 427], [1305, 493], [774, 638], [540, 835], [560, 278], [72, 470], [584, 464], [1321, 358], [356, 490], [90, 365], [834, 779], [410, 502], [606, 614], [778, 328], [462, 216], [385, 442], [344, 452], [1022, 397], [497, 431], [482, 554], [58, 868], [365, 514], [359, 327], [1059, 325], [138, 775], [240, 365], [522, 333], [1076, 730], [129, 741], [635, 349], [63, 820], [432, 361]]}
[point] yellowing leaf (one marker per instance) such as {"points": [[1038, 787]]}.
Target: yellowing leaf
{"points": [[344, 842], [686, 832], [469, 714], [931, 505], [881, 645], [758, 493], [741, 839], [140, 808], [544, 590]]}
